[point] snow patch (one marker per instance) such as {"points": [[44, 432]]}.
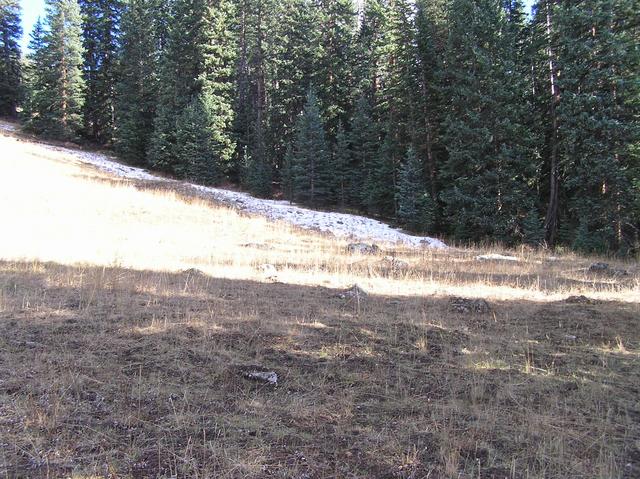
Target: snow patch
{"points": [[339, 224]]}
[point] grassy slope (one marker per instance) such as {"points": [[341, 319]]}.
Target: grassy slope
{"points": [[115, 362]]}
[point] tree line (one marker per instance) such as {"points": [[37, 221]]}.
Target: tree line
{"points": [[466, 118]]}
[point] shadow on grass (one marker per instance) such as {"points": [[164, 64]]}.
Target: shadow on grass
{"points": [[121, 373]]}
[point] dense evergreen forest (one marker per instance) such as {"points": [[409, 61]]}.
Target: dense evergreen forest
{"points": [[465, 118]]}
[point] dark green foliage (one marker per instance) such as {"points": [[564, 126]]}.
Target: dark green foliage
{"points": [[311, 159], [100, 40], [599, 81], [287, 174], [533, 229], [491, 156], [364, 143], [342, 169], [35, 81], [415, 205], [10, 71], [55, 103], [334, 78], [378, 192], [462, 117], [258, 174], [195, 148], [137, 87], [198, 60], [295, 50]]}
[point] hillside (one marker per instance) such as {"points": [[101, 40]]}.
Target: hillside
{"points": [[134, 310]]}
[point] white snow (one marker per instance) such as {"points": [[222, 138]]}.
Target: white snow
{"points": [[341, 225]]}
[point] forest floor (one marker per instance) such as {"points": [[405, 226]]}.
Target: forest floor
{"points": [[131, 312]]}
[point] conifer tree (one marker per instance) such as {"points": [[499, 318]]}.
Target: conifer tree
{"points": [[342, 168], [137, 86], [431, 48], [599, 85], [101, 30], [198, 60], [295, 51], [334, 78], [491, 160], [195, 142], [415, 205], [378, 193], [10, 71], [35, 79], [57, 104], [311, 158], [364, 142], [254, 22]]}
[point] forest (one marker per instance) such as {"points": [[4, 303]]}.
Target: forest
{"points": [[474, 120]]}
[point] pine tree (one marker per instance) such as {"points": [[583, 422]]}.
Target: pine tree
{"points": [[586, 69], [254, 22], [35, 80], [287, 174], [415, 205], [334, 73], [378, 193], [137, 86], [56, 105], [599, 85], [101, 30], [198, 60], [431, 56], [491, 155], [364, 142], [10, 71], [194, 142], [311, 159], [295, 50], [342, 168]]}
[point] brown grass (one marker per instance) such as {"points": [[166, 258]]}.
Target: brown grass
{"points": [[116, 363]]}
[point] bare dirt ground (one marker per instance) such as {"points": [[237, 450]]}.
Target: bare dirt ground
{"points": [[130, 315]]}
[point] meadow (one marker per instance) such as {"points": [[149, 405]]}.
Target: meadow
{"points": [[131, 311]]}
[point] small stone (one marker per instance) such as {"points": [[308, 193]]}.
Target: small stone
{"points": [[580, 300], [394, 264], [354, 292], [363, 248], [599, 268], [269, 271], [193, 272], [466, 305], [269, 377]]}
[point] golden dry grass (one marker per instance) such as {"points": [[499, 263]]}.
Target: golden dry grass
{"points": [[115, 361]]}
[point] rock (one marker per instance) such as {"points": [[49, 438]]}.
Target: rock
{"points": [[269, 377], [363, 248], [606, 269], [570, 337], [194, 272], [355, 292], [394, 264], [599, 268], [580, 300], [496, 257], [269, 271], [466, 305], [260, 246]]}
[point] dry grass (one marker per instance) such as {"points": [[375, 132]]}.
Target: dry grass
{"points": [[115, 363]]}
